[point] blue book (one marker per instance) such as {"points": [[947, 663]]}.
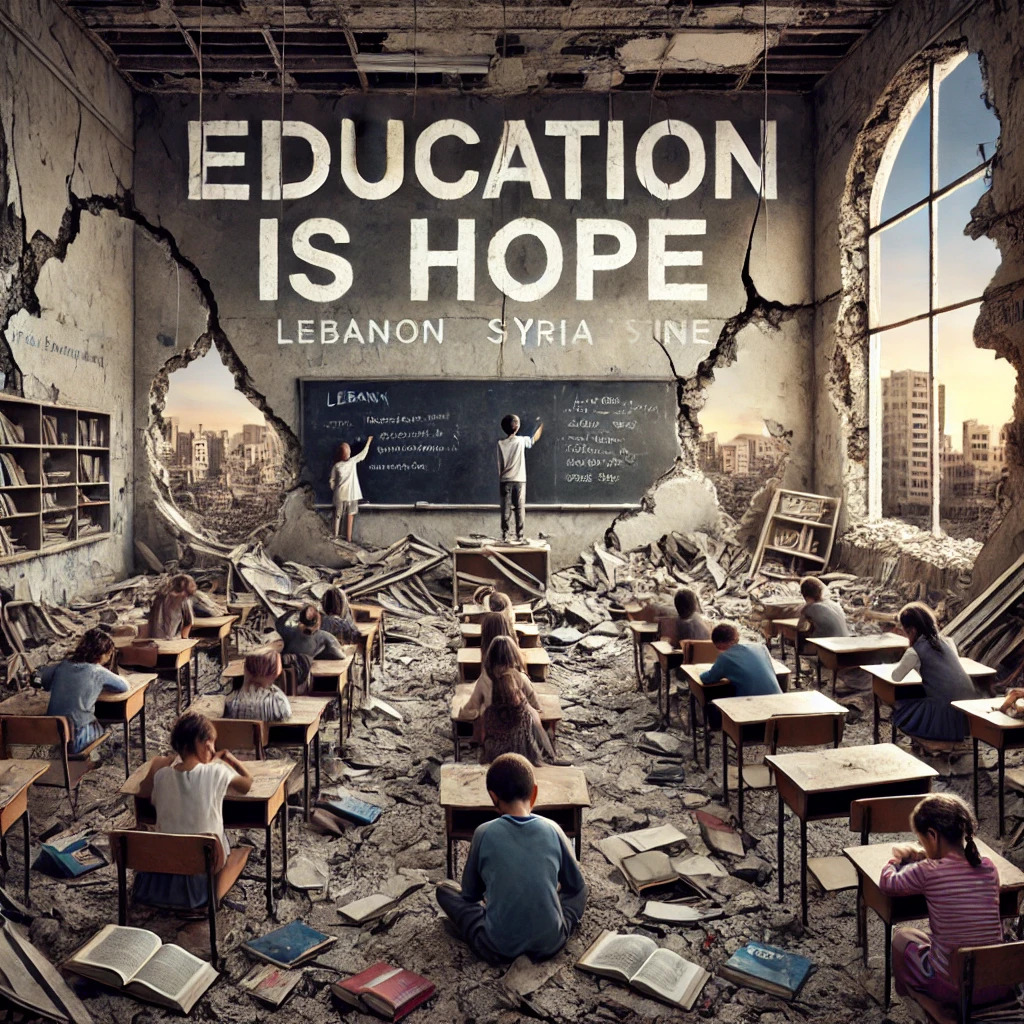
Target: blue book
{"points": [[359, 811], [767, 968], [288, 945]]}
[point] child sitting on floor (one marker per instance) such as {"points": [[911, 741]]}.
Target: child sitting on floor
{"points": [[75, 684], [188, 796], [257, 695], [523, 866], [961, 889], [747, 666], [820, 616]]}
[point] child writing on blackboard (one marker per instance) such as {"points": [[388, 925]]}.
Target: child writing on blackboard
{"points": [[345, 491], [512, 476]]}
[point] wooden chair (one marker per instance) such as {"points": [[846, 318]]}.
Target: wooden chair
{"points": [[984, 966], [172, 854], [68, 769], [699, 651], [242, 734], [804, 730]]}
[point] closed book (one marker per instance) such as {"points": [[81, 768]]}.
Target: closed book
{"points": [[289, 945], [390, 992], [359, 811], [270, 984], [767, 968], [69, 856]]}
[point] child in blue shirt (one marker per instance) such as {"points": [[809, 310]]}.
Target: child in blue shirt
{"points": [[523, 865], [747, 666]]}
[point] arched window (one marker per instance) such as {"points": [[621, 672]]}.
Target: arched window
{"points": [[939, 404]]}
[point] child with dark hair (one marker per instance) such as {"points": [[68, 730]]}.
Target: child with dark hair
{"points": [[961, 889], [171, 609], [187, 792], [302, 634], [512, 476], [820, 616], [747, 666], [338, 619], [502, 657], [523, 866], [931, 717], [257, 696], [495, 601], [75, 684], [509, 724]]}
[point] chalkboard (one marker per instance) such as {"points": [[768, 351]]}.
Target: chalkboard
{"points": [[604, 442]]}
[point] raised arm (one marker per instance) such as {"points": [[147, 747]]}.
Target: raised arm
{"points": [[366, 451], [537, 433], [906, 664], [242, 781]]}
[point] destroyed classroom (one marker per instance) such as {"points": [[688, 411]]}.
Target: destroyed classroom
{"points": [[757, 270]]}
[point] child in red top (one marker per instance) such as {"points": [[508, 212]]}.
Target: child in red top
{"points": [[961, 889]]}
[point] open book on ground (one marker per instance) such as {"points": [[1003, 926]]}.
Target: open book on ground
{"points": [[135, 961], [616, 848], [372, 908], [652, 873], [390, 992], [644, 965]]}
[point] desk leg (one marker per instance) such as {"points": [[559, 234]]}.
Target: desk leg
{"points": [[892, 725], [223, 652], [636, 661], [782, 648], [817, 669], [456, 743], [739, 778], [803, 871], [725, 769], [975, 742], [127, 739], [888, 964], [796, 664], [1001, 774], [25, 831], [142, 727], [693, 723], [835, 679], [284, 847], [707, 740], [316, 761], [269, 848], [878, 718], [305, 776], [577, 816], [780, 849]]}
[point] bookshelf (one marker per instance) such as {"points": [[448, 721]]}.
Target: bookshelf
{"points": [[54, 477], [798, 532]]}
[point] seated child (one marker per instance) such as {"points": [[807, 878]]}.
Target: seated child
{"points": [[303, 635], [820, 616], [688, 623], [495, 601], [961, 889], [338, 619], [257, 696], [75, 684], [747, 666], [523, 866], [931, 717], [171, 610], [510, 725], [188, 795], [501, 656]]}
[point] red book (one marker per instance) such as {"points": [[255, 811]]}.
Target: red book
{"points": [[390, 992]]}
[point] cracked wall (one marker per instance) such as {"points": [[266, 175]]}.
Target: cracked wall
{"points": [[761, 280], [65, 261], [856, 110]]}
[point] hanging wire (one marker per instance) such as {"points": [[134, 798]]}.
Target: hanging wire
{"points": [[202, 124], [764, 119], [415, 48], [280, 155]]}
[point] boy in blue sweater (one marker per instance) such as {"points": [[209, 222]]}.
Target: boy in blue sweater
{"points": [[747, 666], [524, 867]]}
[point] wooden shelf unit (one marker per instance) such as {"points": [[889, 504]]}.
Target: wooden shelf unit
{"points": [[498, 564], [54, 477], [799, 531]]}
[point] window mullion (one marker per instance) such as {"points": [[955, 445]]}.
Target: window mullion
{"points": [[933, 301]]}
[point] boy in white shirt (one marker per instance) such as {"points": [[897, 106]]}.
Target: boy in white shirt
{"points": [[512, 475], [345, 489]]}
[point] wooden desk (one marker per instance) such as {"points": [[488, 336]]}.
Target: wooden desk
{"points": [[988, 724], [869, 861], [786, 629], [527, 633], [462, 728], [820, 784], [162, 657], [372, 613], [888, 691], [703, 693], [329, 677], [475, 612], [838, 652], [470, 659], [561, 796], [744, 718], [258, 808], [642, 633], [301, 730], [111, 708], [670, 658], [16, 776], [211, 631], [368, 632]]}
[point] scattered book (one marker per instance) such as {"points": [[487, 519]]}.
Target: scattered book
{"points": [[69, 855], [617, 847], [352, 809], [719, 835], [289, 945], [697, 865], [767, 968], [676, 913], [269, 984], [390, 992], [833, 874], [663, 743], [652, 871], [644, 965], [372, 908], [136, 962]]}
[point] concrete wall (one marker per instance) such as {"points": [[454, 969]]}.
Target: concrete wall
{"points": [[856, 110], [66, 256], [201, 280]]}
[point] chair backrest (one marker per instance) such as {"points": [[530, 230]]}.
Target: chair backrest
{"points": [[138, 655], [881, 814], [168, 853], [242, 734], [33, 731], [698, 652], [980, 967], [804, 730]]}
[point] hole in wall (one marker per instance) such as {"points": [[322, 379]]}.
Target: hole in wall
{"points": [[225, 461]]}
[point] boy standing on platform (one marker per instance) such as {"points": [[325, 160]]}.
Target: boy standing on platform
{"points": [[524, 867], [512, 475]]}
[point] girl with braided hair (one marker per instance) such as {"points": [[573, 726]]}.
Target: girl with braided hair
{"points": [[961, 889], [931, 717]]}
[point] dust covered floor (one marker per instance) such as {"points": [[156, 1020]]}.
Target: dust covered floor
{"points": [[397, 764]]}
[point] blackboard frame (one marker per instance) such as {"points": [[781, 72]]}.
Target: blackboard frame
{"points": [[425, 506]]}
